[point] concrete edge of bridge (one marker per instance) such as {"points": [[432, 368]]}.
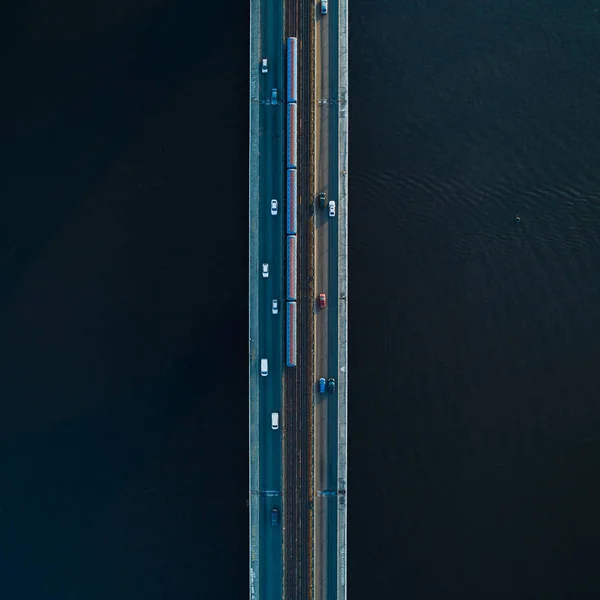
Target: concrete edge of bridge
{"points": [[253, 288], [342, 525]]}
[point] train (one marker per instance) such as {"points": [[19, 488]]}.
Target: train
{"points": [[292, 202]]}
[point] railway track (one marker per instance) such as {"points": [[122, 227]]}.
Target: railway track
{"points": [[307, 303], [297, 510]]}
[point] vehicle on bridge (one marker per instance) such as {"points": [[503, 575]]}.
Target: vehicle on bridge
{"points": [[264, 68], [292, 70], [292, 202], [292, 267], [274, 96], [322, 383], [322, 301], [291, 334], [275, 306], [331, 385], [274, 420], [264, 367], [265, 270], [292, 136], [323, 7], [274, 517], [322, 199], [273, 206], [331, 208]]}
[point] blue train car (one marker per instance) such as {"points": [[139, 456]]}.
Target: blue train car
{"points": [[292, 202], [292, 267], [292, 69], [292, 136], [290, 352]]}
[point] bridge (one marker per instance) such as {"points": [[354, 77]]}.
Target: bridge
{"points": [[297, 300]]}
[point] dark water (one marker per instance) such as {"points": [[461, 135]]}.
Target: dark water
{"points": [[475, 411], [123, 434], [475, 339]]}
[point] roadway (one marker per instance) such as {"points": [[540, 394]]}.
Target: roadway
{"points": [[326, 320], [271, 327]]}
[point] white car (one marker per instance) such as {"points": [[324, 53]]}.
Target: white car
{"points": [[273, 206], [323, 7], [331, 208], [265, 269], [264, 68], [275, 306]]}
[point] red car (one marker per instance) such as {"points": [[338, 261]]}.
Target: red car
{"points": [[322, 301]]}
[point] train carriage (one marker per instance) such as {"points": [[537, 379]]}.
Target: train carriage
{"points": [[292, 136], [292, 202], [292, 70], [292, 267], [291, 340]]}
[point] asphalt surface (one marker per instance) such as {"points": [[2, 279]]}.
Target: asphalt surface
{"points": [[326, 334], [271, 327]]}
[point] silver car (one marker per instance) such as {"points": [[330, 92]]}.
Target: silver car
{"points": [[331, 208], [264, 67], [275, 306], [265, 269], [273, 206]]}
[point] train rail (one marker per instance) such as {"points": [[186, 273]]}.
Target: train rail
{"points": [[297, 401]]}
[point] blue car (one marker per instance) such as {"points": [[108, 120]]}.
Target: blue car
{"points": [[274, 517], [322, 385]]}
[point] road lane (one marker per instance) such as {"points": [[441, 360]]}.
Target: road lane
{"points": [[322, 321], [271, 328]]}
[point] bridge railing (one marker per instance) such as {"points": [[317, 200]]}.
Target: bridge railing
{"points": [[342, 529]]}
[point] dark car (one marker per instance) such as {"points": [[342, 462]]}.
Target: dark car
{"points": [[331, 385], [322, 199], [274, 517]]}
